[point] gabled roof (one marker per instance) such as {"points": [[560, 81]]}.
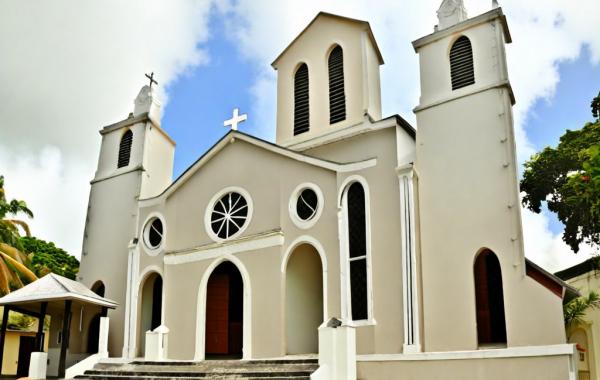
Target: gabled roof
{"points": [[232, 136], [550, 281], [53, 287], [331, 15], [589, 265]]}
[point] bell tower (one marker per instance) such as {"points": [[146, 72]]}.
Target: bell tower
{"points": [[327, 79], [136, 161], [467, 167]]}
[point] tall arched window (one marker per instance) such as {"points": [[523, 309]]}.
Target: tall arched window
{"points": [[357, 251], [337, 96], [125, 149], [301, 114], [461, 63], [489, 298]]}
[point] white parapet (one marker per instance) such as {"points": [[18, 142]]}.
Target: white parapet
{"points": [[156, 344], [337, 352], [103, 338], [37, 365]]}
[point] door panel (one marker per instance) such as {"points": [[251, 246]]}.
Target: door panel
{"points": [[217, 314]]}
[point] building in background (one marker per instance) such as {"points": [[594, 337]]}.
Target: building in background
{"points": [[586, 336]]}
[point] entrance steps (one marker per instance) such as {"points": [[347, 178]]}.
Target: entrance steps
{"points": [[277, 369]]}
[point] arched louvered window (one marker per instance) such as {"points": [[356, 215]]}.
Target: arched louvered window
{"points": [[337, 96], [489, 299], [357, 251], [461, 63], [301, 114], [125, 149]]}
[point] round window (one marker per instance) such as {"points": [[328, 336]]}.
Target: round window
{"points": [[229, 215], [307, 204], [154, 233]]}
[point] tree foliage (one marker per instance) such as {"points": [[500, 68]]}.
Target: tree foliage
{"points": [[14, 264], [575, 310], [47, 257], [596, 107], [568, 179]]}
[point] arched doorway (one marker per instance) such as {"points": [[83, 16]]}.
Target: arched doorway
{"points": [[99, 288], [94, 326], [303, 300], [150, 308], [224, 313], [489, 298], [580, 339]]}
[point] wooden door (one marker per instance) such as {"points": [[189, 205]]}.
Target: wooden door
{"points": [[26, 347], [217, 314]]}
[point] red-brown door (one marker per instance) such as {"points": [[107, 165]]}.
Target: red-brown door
{"points": [[217, 314]]}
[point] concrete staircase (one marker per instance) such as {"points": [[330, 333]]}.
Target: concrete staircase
{"points": [[292, 369]]}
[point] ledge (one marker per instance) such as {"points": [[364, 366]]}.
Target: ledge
{"points": [[212, 250], [510, 352]]}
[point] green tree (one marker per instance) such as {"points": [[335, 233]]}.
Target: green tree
{"points": [[575, 310], [14, 263], [596, 107], [47, 257], [568, 179]]}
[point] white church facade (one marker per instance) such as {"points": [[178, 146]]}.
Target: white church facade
{"points": [[410, 237]]}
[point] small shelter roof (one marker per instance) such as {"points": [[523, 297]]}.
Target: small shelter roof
{"points": [[53, 287]]}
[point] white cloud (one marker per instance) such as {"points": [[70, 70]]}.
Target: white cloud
{"points": [[67, 69], [544, 36], [53, 190], [548, 249]]}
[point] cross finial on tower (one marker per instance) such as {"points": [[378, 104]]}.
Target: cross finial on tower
{"points": [[151, 77], [235, 120]]}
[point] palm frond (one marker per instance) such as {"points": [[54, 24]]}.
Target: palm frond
{"points": [[21, 224], [4, 278], [575, 310], [22, 269]]}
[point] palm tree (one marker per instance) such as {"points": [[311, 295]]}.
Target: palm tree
{"points": [[13, 262], [575, 310]]}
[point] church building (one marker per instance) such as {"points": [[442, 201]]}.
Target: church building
{"points": [[399, 246]]}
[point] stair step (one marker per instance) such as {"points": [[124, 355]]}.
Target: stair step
{"points": [[228, 377], [237, 362], [275, 369]]}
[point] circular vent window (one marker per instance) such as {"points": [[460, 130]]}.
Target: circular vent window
{"points": [[154, 233], [307, 204], [229, 215]]}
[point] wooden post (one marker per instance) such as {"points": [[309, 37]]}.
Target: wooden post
{"points": [[39, 337], [3, 334], [64, 344]]}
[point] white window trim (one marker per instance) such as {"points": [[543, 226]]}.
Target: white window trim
{"points": [[211, 205], [306, 239], [136, 304], [346, 303], [201, 308], [145, 231], [306, 224], [410, 291]]}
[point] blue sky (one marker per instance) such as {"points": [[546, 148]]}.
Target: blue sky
{"points": [[569, 108], [205, 96], [213, 55], [202, 99]]}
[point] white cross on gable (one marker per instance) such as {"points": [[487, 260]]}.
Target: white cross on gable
{"points": [[235, 120]]}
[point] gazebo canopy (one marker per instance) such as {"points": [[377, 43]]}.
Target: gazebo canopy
{"points": [[54, 289], [54, 295]]}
